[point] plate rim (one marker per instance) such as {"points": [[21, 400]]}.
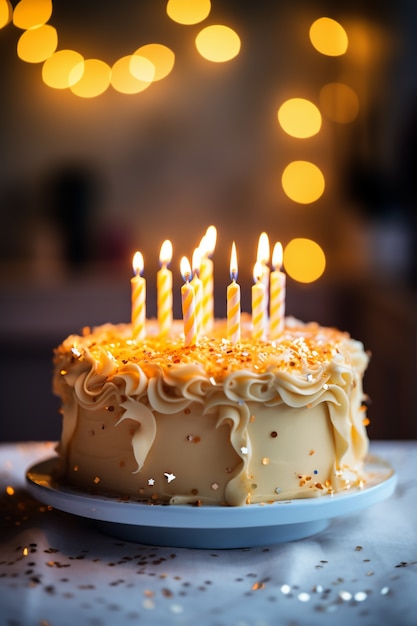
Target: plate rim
{"points": [[106, 508]]}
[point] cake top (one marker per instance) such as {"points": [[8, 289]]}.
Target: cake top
{"points": [[301, 349]]}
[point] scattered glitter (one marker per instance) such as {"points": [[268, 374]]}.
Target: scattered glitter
{"points": [[303, 596], [384, 591], [151, 482], [309, 378], [214, 486], [63, 372], [170, 477], [265, 460], [312, 452], [97, 480], [278, 489], [360, 596], [285, 589], [345, 596], [326, 386], [244, 450]]}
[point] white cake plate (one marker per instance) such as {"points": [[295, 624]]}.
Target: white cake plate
{"points": [[211, 527]]}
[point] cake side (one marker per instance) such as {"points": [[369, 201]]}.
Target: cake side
{"points": [[214, 423]]}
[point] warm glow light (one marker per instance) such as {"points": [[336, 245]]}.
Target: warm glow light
{"points": [[264, 251], [339, 102], [30, 13], [304, 260], [218, 43], [37, 44], [165, 254], [138, 263], [208, 242], [328, 37], [188, 11], [277, 256], [258, 271], [57, 69], [161, 57], [94, 80], [303, 182], [142, 68], [299, 118], [122, 78], [185, 269], [6, 12], [233, 263]]}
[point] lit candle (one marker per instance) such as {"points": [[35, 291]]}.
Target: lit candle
{"points": [[258, 304], [198, 290], [233, 301], [207, 246], [138, 284], [263, 258], [188, 304], [164, 289], [277, 296]]}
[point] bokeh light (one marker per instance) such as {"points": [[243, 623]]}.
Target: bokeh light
{"points": [[6, 12], [188, 11], [303, 182], [339, 102], [30, 13], [124, 81], [328, 37], [57, 69], [304, 260], [218, 43], [299, 117], [37, 44], [161, 57], [94, 81]]}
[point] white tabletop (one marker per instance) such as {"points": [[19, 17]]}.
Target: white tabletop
{"points": [[57, 569]]}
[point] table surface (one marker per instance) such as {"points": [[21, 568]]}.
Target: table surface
{"points": [[57, 569]]}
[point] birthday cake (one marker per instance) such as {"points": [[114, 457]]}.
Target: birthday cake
{"points": [[214, 423]]}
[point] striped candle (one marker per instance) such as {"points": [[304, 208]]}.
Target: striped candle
{"points": [[198, 291], [277, 294], [207, 246], [164, 289], [188, 304], [258, 304], [138, 285], [233, 301]]}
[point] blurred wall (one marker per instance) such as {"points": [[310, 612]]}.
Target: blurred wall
{"points": [[83, 183]]}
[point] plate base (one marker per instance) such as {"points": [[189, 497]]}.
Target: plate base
{"points": [[208, 539]]}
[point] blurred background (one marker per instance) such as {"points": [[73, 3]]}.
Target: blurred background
{"points": [[292, 124]]}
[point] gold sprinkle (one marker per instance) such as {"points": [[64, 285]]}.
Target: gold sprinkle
{"points": [[265, 460], [9, 490], [312, 452], [75, 468], [63, 372], [97, 480], [252, 418]]}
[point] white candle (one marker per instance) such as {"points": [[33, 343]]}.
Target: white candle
{"points": [[188, 304], [262, 257], [233, 301], [198, 290], [207, 246], [138, 285], [258, 304], [277, 295], [164, 289]]}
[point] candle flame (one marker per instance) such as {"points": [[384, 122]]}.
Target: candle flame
{"points": [[208, 242], [165, 254], [185, 268], [277, 256], [137, 263], [263, 248], [196, 261], [257, 271], [233, 263]]}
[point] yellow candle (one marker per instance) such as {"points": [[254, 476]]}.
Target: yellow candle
{"points": [[188, 304], [138, 285], [233, 301], [198, 291], [207, 246], [258, 304], [263, 256], [164, 289], [277, 296]]}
